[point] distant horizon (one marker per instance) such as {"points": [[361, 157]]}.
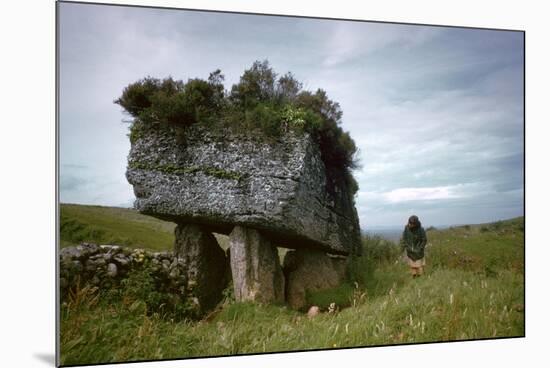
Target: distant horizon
{"points": [[363, 228]]}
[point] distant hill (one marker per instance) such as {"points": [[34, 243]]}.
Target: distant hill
{"points": [[113, 225], [393, 233], [122, 226]]}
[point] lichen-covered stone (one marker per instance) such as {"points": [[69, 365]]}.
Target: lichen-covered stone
{"points": [[310, 270], [121, 259], [222, 179], [203, 262], [80, 251], [257, 273], [112, 270]]}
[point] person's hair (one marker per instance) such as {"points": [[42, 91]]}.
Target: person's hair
{"points": [[413, 220]]}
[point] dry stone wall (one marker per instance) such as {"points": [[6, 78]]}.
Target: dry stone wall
{"points": [[105, 266]]}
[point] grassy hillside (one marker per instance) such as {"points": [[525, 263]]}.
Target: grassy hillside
{"points": [[112, 225], [123, 226], [473, 288], [481, 248]]}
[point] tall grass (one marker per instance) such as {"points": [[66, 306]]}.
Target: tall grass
{"points": [[381, 304]]}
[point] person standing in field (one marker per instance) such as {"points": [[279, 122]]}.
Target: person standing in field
{"points": [[414, 241]]}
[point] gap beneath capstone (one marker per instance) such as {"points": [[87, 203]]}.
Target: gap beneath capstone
{"points": [[303, 270]]}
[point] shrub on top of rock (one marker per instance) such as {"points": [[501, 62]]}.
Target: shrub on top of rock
{"points": [[259, 103]]}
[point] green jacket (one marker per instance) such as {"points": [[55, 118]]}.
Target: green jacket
{"points": [[414, 241]]}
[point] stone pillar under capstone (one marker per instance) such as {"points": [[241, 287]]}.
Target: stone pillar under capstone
{"points": [[255, 267], [310, 270], [204, 261]]}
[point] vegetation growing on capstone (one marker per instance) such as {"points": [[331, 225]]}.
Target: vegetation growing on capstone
{"points": [[173, 169], [261, 103]]}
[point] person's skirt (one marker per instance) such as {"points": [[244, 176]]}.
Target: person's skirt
{"points": [[416, 264]]}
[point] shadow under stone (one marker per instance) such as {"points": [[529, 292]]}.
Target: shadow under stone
{"points": [[46, 358]]}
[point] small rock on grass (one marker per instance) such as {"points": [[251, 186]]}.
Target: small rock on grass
{"points": [[313, 311]]}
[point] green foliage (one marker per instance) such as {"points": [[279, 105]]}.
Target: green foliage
{"points": [[341, 296], [376, 251], [256, 85], [287, 88], [259, 102], [152, 100], [294, 118], [136, 132], [137, 97], [264, 116], [141, 290]]}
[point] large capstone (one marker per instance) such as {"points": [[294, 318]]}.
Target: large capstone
{"points": [[309, 271], [255, 267], [222, 179], [203, 261]]}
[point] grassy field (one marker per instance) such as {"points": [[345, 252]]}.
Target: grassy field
{"points": [[473, 288], [112, 225]]}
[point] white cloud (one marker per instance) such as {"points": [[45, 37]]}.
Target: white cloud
{"points": [[420, 194], [350, 41]]}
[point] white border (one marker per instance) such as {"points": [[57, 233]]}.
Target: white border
{"points": [[27, 184]]}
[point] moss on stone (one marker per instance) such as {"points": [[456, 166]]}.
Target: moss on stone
{"points": [[136, 131], [222, 174], [177, 170]]}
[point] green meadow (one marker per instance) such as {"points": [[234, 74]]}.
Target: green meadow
{"points": [[113, 225], [473, 288]]}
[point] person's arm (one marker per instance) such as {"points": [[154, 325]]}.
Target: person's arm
{"points": [[402, 243], [423, 238]]}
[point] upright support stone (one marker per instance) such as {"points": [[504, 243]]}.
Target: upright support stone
{"points": [[310, 270], [255, 266], [204, 262]]}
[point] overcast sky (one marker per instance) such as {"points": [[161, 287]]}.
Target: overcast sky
{"points": [[437, 112]]}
